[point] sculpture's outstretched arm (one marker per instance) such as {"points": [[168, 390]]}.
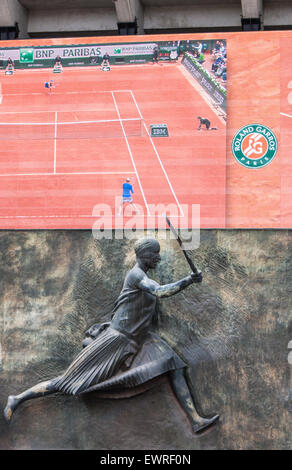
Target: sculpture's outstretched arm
{"points": [[168, 289]]}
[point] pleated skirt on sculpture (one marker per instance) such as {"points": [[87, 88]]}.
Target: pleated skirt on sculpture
{"points": [[113, 361]]}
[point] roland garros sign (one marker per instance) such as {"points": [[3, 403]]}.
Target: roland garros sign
{"points": [[254, 146]]}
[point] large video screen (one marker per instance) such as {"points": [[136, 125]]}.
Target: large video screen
{"points": [[123, 131]]}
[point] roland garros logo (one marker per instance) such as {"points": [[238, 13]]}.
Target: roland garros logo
{"points": [[254, 146]]}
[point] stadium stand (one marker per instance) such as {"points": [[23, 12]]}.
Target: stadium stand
{"points": [[58, 18]]}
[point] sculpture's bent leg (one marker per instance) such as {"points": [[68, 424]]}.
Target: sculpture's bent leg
{"points": [[183, 394], [39, 390]]}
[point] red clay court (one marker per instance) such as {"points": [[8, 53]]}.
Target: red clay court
{"points": [[286, 135], [65, 152]]}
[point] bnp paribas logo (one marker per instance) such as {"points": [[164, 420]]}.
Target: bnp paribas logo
{"points": [[26, 56], [254, 146], [117, 50]]}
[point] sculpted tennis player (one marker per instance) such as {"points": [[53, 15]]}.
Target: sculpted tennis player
{"points": [[126, 352]]}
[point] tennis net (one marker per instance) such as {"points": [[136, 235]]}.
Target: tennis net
{"points": [[105, 129]]}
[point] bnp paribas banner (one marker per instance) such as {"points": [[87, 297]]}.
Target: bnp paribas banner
{"points": [[79, 55]]}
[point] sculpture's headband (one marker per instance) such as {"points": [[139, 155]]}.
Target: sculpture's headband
{"points": [[143, 245]]}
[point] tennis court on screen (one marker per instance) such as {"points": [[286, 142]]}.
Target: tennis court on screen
{"points": [[63, 153]]}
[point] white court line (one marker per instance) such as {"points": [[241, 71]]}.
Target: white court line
{"points": [[55, 141], [87, 110], [288, 115], [157, 154], [87, 68], [64, 122], [71, 110], [79, 216], [130, 152], [91, 68], [66, 93], [76, 173], [71, 174]]}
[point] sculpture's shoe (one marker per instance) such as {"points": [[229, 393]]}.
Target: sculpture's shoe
{"points": [[10, 407], [206, 422]]}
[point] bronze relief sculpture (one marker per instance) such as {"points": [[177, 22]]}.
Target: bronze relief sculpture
{"points": [[126, 352]]}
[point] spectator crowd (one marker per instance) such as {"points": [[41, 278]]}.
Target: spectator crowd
{"points": [[219, 65]]}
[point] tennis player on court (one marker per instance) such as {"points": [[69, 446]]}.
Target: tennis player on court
{"points": [[127, 196], [207, 123], [49, 85]]}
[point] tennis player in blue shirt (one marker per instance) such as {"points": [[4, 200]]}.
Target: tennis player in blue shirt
{"points": [[127, 195], [49, 85]]}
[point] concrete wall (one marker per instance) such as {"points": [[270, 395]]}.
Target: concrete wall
{"points": [[154, 18], [277, 14], [219, 16], [10, 12], [251, 8], [160, 17], [91, 19]]}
